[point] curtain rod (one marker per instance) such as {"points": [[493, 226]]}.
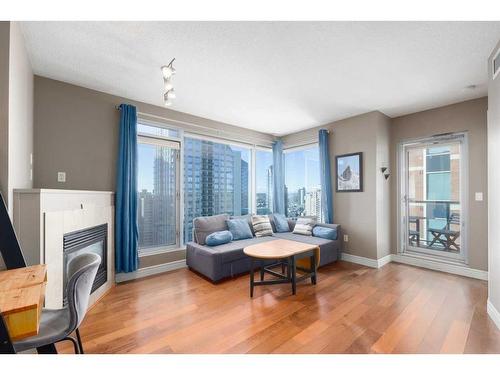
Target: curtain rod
{"points": [[261, 141]]}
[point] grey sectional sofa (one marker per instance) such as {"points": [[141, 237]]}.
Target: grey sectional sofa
{"points": [[228, 260]]}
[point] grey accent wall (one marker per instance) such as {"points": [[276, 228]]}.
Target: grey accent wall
{"points": [[469, 116], [364, 215], [494, 185], [76, 131]]}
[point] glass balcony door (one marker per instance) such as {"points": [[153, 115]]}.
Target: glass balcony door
{"points": [[433, 190]]}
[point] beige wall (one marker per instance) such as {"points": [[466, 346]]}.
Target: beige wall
{"points": [[20, 114], [4, 107], [16, 113], [494, 186], [76, 131], [363, 215], [469, 116]]}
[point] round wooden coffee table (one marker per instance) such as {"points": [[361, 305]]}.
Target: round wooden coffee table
{"points": [[286, 253]]}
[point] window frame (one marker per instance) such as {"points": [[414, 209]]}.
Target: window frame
{"points": [[301, 147], [254, 176], [146, 138]]}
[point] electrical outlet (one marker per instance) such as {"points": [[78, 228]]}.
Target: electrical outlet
{"points": [[346, 238], [61, 176], [479, 196]]}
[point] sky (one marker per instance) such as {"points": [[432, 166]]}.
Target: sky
{"points": [[302, 169]]}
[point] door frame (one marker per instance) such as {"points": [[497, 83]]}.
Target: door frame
{"points": [[402, 171]]}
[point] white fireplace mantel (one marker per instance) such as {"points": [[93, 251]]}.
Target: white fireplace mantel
{"points": [[43, 216]]}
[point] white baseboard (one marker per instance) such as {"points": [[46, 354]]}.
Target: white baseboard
{"points": [[384, 260], [373, 263], [439, 266], [148, 271], [418, 262], [493, 313]]}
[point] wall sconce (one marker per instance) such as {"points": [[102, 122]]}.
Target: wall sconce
{"points": [[385, 171]]}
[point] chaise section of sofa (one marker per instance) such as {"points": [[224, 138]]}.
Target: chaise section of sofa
{"points": [[228, 260]]}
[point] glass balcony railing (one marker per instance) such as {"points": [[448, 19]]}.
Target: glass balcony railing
{"points": [[434, 224]]}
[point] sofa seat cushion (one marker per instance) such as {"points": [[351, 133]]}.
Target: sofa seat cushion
{"points": [[232, 251]]}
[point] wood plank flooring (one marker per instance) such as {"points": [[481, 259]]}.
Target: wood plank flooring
{"points": [[352, 309]]}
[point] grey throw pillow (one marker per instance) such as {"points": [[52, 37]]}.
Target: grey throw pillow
{"points": [[304, 226], [262, 226]]}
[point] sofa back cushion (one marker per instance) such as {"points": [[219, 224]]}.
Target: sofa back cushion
{"points": [[205, 225], [246, 217], [262, 226], [304, 226], [281, 223], [239, 228]]}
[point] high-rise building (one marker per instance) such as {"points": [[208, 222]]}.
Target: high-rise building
{"points": [[312, 204], [156, 209], [269, 190], [215, 181]]}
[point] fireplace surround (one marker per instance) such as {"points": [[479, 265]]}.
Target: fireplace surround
{"points": [[88, 240]]}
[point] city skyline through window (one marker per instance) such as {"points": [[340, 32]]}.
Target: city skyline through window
{"points": [[157, 194], [302, 183], [264, 182], [216, 180]]}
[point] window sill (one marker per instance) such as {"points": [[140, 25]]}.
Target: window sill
{"points": [[159, 250]]}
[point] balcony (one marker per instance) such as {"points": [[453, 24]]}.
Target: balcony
{"points": [[434, 224]]}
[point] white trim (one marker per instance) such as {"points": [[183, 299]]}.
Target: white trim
{"points": [[384, 260], [373, 263], [440, 266], [495, 74], [417, 262], [493, 313], [149, 271], [301, 147]]}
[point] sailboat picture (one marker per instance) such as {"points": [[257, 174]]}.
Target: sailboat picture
{"points": [[349, 172]]}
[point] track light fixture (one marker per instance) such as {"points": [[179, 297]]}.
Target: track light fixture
{"points": [[168, 72]]}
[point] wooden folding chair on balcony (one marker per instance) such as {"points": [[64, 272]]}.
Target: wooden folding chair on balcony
{"points": [[447, 237]]}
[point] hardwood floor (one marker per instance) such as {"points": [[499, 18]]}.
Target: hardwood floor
{"points": [[352, 309]]}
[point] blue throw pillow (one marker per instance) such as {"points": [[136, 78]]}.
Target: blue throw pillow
{"points": [[239, 228], [324, 232], [219, 238], [281, 223]]}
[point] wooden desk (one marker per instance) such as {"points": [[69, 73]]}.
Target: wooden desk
{"points": [[22, 292]]}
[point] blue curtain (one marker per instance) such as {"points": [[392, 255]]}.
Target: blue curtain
{"points": [[326, 177], [126, 232], [278, 179]]}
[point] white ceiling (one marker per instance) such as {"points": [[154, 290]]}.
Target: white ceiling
{"points": [[275, 77]]}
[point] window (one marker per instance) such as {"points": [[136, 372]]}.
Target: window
{"points": [[158, 191], [264, 182], [302, 182], [216, 180]]}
